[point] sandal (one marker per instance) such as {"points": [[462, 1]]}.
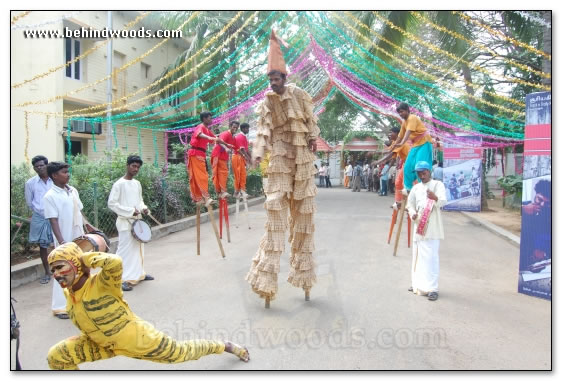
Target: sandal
{"points": [[62, 316], [410, 289], [433, 296], [241, 352], [125, 286], [45, 279]]}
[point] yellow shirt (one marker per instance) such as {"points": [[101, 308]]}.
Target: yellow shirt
{"points": [[419, 135]]}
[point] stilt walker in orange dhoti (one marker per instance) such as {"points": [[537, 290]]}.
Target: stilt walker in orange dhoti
{"points": [[241, 158], [197, 170], [287, 129]]}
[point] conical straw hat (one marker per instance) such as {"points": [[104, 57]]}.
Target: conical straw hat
{"points": [[275, 56]]}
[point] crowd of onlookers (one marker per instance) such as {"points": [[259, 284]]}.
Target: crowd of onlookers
{"points": [[371, 177]]}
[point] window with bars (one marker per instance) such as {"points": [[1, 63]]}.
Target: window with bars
{"points": [[72, 50]]}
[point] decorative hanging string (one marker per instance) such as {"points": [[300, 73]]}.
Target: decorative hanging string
{"points": [[57, 68], [46, 122], [534, 18], [340, 81], [125, 98], [114, 73], [458, 36], [139, 144], [26, 125], [386, 77], [64, 17], [165, 170], [429, 64], [221, 67], [92, 127], [175, 82], [473, 65], [155, 145], [125, 135], [502, 35], [20, 16], [69, 143]]}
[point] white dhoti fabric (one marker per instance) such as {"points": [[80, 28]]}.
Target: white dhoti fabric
{"points": [[131, 252], [425, 266], [58, 301]]}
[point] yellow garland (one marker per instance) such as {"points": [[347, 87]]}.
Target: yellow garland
{"points": [[175, 82], [47, 122], [492, 31], [454, 57], [20, 16], [408, 53], [89, 51], [114, 73], [421, 17], [451, 87], [26, 138]]}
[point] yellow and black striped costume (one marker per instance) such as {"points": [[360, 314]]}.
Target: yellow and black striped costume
{"points": [[108, 326]]}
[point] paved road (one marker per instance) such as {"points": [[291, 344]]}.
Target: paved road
{"points": [[360, 316]]}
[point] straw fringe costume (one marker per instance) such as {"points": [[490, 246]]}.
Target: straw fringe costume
{"points": [[108, 326], [286, 124]]}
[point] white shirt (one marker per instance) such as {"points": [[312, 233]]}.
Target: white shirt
{"points": [[348, 170], [35, 190], [65, 205], [417, 202], [124, 198], [322, 171]]}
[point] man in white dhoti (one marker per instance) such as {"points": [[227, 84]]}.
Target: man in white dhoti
{"points": [[62, 206], [424, 203], [126, 200]]}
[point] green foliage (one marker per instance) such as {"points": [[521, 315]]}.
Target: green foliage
{"points": [[512, 185], [360, 134], [167, 195]]}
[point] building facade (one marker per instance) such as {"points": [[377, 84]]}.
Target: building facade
{"points": [[40, 128]]}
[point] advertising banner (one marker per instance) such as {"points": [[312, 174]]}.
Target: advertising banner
{"points": [[535, 240], [462, 176]]}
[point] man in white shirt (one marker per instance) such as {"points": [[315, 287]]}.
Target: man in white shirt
{"points": [[126, 200], [40, 228], [423, 205], [322, 175], [348, 175], [63, 209]]}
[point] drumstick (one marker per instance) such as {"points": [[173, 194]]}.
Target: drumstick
{"points": [[153, 218], [403, 203], [197, 221], [212, 217]]}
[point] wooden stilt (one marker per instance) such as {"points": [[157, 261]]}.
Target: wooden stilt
{"points": [[237, 211], [226, 214], [307, 296], [393, 221], [220, 218], [401, 216], [246, 212], [267, 303], [197, 222], [212, 218]]}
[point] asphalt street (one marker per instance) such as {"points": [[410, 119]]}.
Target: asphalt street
{"points": [[360, 316]]}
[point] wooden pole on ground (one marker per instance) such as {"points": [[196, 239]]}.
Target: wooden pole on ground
{"points": [[401, 216], [226, 214], [246, 212], [221, 218], [393, 221], [212, 218], [236, 212], [197, 222]]}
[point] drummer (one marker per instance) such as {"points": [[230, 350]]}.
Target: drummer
{"points": [[126, 200], [62, 206]]}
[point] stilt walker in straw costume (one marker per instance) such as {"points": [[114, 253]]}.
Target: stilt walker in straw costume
{"points": [[287, 129], [413, 131], [126, 200], [107, 325], [424, 202]]}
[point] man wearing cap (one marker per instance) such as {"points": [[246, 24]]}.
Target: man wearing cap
{"points": [[107, 325], [423, 205], [287, 129]]}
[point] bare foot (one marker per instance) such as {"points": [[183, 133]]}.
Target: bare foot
{"points": [[239, 351]]}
